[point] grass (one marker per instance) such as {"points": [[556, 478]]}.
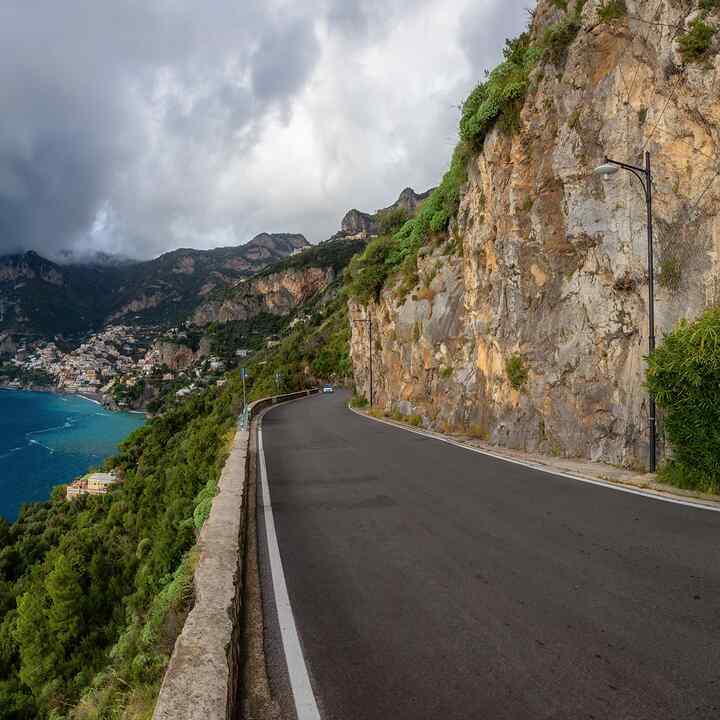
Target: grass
{"points": [[670, 275], [612, 10], [695, 44], [687, 478], [358, 401], [517, 372]]}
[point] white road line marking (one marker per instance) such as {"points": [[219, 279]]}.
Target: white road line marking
{"points": [[305, 706], [696, 505]]}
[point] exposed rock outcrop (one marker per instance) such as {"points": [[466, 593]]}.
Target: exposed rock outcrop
{"points": [[364, 225], [276, 294], [551, 267]]}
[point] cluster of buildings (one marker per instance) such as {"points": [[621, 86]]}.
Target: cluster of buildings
{"points": [[93, 365], [92, 484]]}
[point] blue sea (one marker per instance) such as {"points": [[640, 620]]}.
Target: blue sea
{"points": [[48, 439]]}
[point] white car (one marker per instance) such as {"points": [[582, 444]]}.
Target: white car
{"points": [[327, 389]]}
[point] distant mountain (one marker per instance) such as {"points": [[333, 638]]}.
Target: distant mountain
{"points": [[362, 224], [41, 297], [95, 259]]}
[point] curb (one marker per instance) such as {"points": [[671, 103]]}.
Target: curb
{"points": [[203, 675], [618, 486]]}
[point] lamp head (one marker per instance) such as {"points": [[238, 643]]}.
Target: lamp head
{"points": [[606, 170]]}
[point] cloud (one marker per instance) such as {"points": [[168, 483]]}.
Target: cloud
{"points": [[141, 126]]}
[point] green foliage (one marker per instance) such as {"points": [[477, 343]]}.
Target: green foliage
{"points": [[684, 376], [397, 254], [334, 253], [612, 10], [86, 586], [313, 352], [516, 371], [358, 401], [697, 41], [27, 378], [670, 275], [368, 272], [558, 38], [505, 85], [709, 6], [391, 220]]}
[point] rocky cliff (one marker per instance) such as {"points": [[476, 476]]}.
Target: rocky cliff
{"points": [[363, 225], [276, 293], [40, 297], [528, 324]]}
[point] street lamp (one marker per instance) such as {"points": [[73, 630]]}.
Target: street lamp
{"points": [[644, 175]]}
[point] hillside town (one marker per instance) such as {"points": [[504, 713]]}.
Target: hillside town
{"points": [[121, 366]]}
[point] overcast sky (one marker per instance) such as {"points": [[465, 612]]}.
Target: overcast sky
{"points": [[139, 126]]}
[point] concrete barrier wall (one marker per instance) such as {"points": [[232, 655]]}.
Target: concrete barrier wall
{"points": [[202, 677]]}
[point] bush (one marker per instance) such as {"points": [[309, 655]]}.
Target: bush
{"points": [[612, 10], [516, 371], [391, 220], [696, 42], [684, 376], [506, 84], [358, 401], [558, 38]]}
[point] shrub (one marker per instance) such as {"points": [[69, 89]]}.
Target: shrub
{"points": [[516, 371], [612, 10], [392, 219], [670, 275], [558, 38], [696, 42], [709, 5], [506, 84], [684, 376], [368, 271], [358, 401], [415, 420]]}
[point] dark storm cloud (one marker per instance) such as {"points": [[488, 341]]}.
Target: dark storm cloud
{"points": [[138, 125]]}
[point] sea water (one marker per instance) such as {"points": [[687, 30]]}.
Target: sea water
{"points": [[48, 439]]}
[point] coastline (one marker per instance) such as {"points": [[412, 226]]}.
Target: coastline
{"points": [[33, 464], [94, 397]]}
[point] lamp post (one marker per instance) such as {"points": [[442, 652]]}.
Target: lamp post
{"points": [[368, 320], [644, 175]]}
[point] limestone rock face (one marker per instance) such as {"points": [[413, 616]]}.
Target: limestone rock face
{"points": [[553, 261], [276, 293], [364, 225], [358, 224]]}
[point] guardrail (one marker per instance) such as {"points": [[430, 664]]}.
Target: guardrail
{"points": [[202, 679]]}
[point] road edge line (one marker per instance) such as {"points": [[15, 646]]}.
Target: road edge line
{"points": [[651, 494], [305, 704]]}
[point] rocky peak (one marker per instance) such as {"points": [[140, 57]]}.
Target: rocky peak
{"points": [[358, 223], [361, 224]]}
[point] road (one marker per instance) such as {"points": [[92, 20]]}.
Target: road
{"points": [[428, 581]]}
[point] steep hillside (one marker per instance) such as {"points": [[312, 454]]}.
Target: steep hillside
{"points": [[40, 297], [281, 287], [515, 307]]}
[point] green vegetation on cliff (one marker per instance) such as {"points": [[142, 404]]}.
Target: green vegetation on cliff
{"points": [[496, 101], [315, 350], [684, 375], [93, 592]]}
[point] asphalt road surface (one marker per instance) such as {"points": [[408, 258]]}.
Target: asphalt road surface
{"points": [[428, 581]]}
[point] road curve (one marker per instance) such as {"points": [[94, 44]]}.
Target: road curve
{"points": [[431, 582]]}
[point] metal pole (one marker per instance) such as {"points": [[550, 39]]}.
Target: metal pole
{"points": [[244, 396], [651, 308], [371, 359]]}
